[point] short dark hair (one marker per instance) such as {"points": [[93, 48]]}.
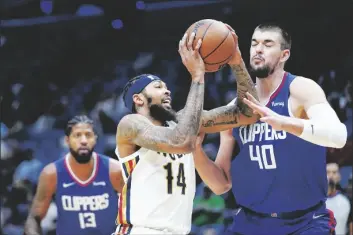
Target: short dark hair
{"points": [[128, 85], [287, 39], [76, 120]]}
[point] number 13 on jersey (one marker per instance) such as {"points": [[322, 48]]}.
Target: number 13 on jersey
{"points": [[87, 220], [261, 154]]}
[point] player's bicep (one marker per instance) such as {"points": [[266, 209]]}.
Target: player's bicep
{"points": [[45, 191], [309, 95], [224, 155], [141, 132]]}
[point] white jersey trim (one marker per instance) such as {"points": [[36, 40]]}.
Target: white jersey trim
{"points": [[93, 174], [131, 156]]}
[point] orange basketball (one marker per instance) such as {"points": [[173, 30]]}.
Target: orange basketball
{"points": [[218, 44]]}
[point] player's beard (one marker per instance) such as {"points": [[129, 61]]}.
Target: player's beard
{"points": [[81, 158], [332, 184], [160, 113], [262, 72]]}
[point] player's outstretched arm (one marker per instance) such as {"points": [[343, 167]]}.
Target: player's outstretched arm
{"points": [[314, 120], [238, 113], [216, 175], [225, 117], [244, 81], [45, 191], [137, 129]]}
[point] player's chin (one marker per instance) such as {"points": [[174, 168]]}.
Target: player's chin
{"points": [[257, 64], [167, 106]]}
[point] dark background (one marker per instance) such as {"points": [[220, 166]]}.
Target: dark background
{"points": [[67, 57]]}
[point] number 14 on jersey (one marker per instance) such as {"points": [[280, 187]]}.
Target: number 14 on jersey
{"points": [[170, 178]]}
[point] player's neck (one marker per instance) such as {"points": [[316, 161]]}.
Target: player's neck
{"points": [[331, 191], [81, 171], [266, 86]]}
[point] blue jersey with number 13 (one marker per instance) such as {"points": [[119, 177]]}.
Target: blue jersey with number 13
{"points": [[85, 208]]}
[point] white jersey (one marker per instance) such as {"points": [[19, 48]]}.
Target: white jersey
{"points": [[340, 206], [158, 193]]}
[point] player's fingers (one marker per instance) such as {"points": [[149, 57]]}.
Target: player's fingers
{"points": [[198, 45], [182, 46], [235, 37], [252, 98], [183, 41], [229, 27], [195, 52], [190, 41], [264, 119], [270, 121], [253, 106], [179, 46]]}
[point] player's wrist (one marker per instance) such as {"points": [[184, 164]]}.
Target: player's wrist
{"points": [[198, 77], [292, 125]]}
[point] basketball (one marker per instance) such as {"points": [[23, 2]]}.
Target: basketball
{"points": [[218, 44]]}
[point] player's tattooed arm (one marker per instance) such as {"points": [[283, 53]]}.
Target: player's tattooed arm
{"points": [[45, 191], [244, 84], [138, 130], [222, 118]]}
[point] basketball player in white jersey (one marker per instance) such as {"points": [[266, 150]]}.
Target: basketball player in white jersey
{"points": [[155, 144]]}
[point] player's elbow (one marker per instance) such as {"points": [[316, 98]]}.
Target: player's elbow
{"points": [[189, 145], [221, 189], [185, 144]]}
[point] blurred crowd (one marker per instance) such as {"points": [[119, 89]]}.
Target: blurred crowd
{"points": [[32, 132]]}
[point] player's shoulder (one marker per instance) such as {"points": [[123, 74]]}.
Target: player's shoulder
{"points": [[132, 118], [301, 80], [103, 158], [49, 171], [304, 88], [131, 123], [114, 165]]}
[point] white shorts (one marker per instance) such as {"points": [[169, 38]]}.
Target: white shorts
{"points": [[140, 231]]}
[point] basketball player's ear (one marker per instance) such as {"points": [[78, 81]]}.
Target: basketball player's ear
{"points": [[138, 99], [285, 55], [67, 140]]}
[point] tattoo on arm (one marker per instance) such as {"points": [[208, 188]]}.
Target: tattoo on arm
{"points": [[139, 130], [244, 84], [225, 115], [189, 124]]}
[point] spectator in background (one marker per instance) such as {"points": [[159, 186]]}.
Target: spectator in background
{"points": [[336, 201]]}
